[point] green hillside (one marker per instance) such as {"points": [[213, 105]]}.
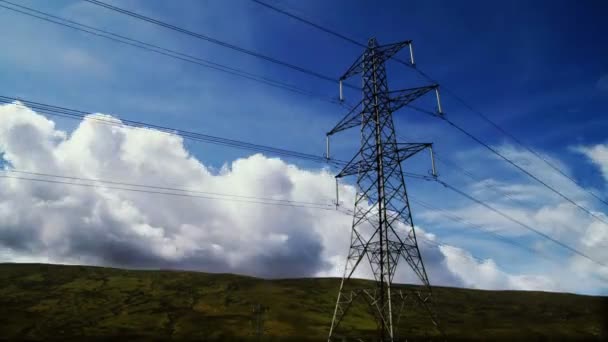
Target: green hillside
{"points": [[41, 302]]}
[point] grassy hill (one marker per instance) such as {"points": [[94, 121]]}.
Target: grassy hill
{"points": [[42, 302]]}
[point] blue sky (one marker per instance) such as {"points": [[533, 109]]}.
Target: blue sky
{"points": [[538, 69]]}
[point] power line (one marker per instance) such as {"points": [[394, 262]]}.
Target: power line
{"points": [[258, 56], [163, 51], [494, 151], [512, 163], [151, 48], [438, 243], [286, 203], [287, 87], [308, 22], [512, 219], [512, 137], [492, 187], [178, 194], [81, 115], [353, 41], [494, 234], [191, 193], [156, 187], [461, 220], [327, 30], [229, 197], [217, 42]]}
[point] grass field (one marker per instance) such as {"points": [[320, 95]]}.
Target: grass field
{"points": [[42, 302]]}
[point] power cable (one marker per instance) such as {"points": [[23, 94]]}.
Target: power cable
{"points": [[163, 51], [460, 220], [83, 115], [156, 187], [217, 42], [512, 219], [179, 194], [295, 204], [80, 115], [459, 99], [518, 141], [308, 22], [514, 164], [157, 22]]}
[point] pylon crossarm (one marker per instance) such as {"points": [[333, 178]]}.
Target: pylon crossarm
{"points": [[355, 68], [350, 120], [389, 50], [354, 167], [406, 150], [400, 98]]}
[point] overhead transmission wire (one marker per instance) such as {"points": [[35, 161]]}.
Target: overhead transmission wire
{"points": [[192, 193], [445, 89], [157, 187], [152, 48], [187, 193], [518, 141], [455, 218], [173, 27], [514, 164], [162, 50], [528, 173], [478, 201], [520, 223], [435, 243], [274, 61], [81, 115], [451, 123], [178, 194], [489, 186], [493, 233], [230, 142], [217, 42], [467, 173], [117, 122], [443, 117], [310, 23]]}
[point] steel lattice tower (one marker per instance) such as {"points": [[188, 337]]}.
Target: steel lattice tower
{"points": [[382, 230]]}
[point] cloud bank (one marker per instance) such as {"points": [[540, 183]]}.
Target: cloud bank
{"points": [[101, 225]]}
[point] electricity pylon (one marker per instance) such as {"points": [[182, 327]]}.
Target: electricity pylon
{"points": [[382, 230]]}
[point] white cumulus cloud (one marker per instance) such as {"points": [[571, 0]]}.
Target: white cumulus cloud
{"points": [[104, 225]]}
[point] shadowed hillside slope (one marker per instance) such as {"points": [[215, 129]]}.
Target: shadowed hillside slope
{"points": [[41, 302]]}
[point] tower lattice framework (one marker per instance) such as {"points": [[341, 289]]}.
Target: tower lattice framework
{"points": [[382, 229]]}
